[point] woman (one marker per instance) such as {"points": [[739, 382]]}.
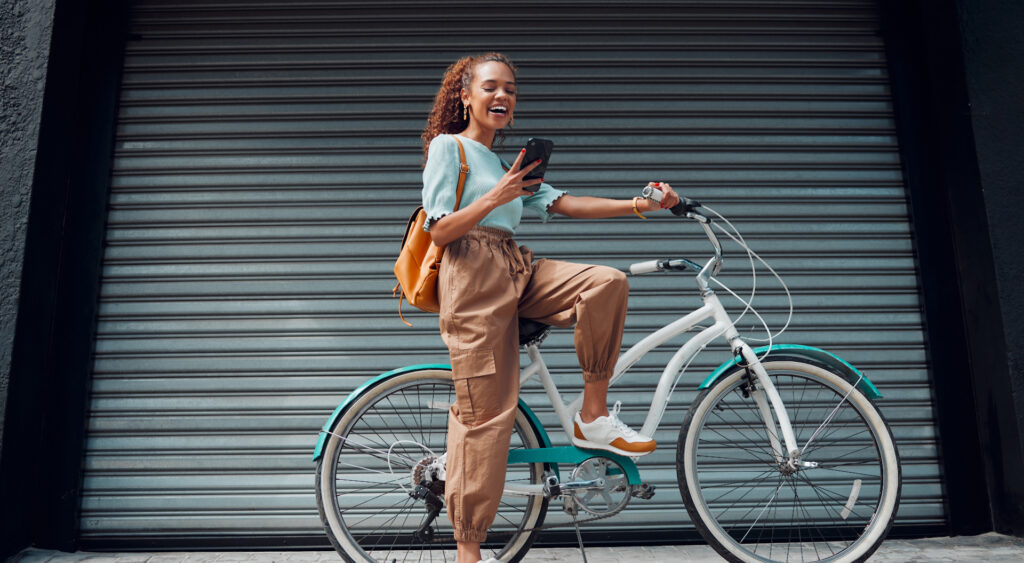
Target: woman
{"points": [[487, 283]]}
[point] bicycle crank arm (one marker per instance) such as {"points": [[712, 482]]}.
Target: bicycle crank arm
{"points": [[528, 490], [592, 484]]}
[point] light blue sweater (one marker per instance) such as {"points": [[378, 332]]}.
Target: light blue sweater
{"points": [[441, 178]]}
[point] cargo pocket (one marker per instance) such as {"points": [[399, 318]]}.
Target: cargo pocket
{"points": [[474, 377]]}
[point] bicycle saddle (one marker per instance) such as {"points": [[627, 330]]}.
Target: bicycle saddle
{"points": [[532, 332]]}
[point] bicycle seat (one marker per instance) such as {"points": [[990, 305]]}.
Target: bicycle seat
{"points": [[532, 332]]}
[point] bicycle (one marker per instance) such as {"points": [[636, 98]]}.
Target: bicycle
{"points": [[782, 456]]}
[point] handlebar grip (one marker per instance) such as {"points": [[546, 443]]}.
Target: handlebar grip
{"points": [[644, 267], [680, 209]]}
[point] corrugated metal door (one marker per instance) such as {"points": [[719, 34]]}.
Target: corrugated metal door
{"points": [[268, 156]]}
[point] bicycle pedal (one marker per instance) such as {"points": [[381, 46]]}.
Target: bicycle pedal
{"points": [[643, 491]]}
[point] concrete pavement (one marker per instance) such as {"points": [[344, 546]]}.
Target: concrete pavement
{"points": [[989, 547]]}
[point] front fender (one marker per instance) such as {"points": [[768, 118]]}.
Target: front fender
{"points": [[340, 410], [808, 354]]}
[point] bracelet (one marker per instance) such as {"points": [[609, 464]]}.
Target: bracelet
{"points": [[635, 210]]}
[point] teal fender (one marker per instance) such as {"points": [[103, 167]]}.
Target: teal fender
{"points": [[814, 356], [340, 410]]}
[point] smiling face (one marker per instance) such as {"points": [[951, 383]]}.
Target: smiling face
{"points": [[491, 96]]}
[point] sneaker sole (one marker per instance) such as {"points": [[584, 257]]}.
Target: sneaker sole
{"points": [[588, 445]]}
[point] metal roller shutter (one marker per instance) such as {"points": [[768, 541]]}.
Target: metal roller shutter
{"points": [[268, 156]]}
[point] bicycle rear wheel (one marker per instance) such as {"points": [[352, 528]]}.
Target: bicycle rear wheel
{"points": [[837, 505], [386, 444]]}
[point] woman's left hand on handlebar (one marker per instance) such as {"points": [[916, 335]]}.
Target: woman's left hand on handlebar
{"points": [[669, 198]]}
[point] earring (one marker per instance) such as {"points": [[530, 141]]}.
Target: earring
{"points": [[465, 112], [512, 120]]}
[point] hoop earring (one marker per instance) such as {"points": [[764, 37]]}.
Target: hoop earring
{"points": [[465, 112]]}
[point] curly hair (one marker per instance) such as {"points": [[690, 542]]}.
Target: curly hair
{"points": [[446, 115]]}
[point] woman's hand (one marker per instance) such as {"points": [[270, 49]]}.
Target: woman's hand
{"points": [[669, 198], [512, 184]]}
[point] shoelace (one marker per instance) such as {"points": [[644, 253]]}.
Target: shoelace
{"points": [[613, 417]]}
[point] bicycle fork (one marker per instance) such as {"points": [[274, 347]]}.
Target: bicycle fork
{"points": [[770, 406]]}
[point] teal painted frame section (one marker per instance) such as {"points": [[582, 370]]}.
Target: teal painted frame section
{"points": [[817, 355], [573, 455], [545, 441]]}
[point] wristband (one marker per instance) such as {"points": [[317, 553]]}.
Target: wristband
{"points": [[635, 210]]}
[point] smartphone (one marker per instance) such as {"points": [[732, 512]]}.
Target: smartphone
{"points": [[537, 148]]}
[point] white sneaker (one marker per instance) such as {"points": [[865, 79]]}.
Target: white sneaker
{"points": [[490, 560], [611, 434]]}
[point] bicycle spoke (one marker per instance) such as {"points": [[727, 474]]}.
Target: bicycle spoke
{"points": [[404, 502], [754, 453], [756, 428], [768, 504], [746, 484], [380, 454]]}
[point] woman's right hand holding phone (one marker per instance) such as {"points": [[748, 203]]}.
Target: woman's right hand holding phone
{"points": [[512, 184]]}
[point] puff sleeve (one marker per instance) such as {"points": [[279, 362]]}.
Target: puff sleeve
{"points": [[542, 200], [440, 178]]}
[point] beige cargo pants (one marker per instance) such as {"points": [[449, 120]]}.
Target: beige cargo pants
{"points": [[486, 284]]}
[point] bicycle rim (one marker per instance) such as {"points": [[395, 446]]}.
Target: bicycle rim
{"points": [[838, 506], [366, 476]]}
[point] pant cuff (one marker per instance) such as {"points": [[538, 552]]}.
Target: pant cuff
{"points": [[593, 376], [469, 534]]}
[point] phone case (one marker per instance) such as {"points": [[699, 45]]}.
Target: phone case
{"points": [[537, 148]]}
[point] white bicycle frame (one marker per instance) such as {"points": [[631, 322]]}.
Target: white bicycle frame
{"points": [[722, 326]]}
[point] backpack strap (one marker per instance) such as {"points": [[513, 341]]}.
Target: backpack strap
{"points": [[463, 171]]}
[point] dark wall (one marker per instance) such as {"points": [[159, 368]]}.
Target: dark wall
{"points": [[24, 49], [993, 49], [67, 164], [956, 76]]}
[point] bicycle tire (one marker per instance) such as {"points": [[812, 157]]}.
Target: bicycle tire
{"points": [[743, 502], [365, 474]]}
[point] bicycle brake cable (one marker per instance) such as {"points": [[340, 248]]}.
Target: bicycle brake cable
{"points": [[738, 239], [749, 304]]}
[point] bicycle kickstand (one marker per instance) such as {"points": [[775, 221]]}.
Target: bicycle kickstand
{"points": [[573, 510]]}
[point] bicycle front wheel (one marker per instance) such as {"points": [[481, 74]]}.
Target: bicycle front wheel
{"points": [[390, 441], [837, 504]]}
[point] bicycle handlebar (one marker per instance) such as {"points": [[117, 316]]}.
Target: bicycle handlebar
{"points": [[685, 208], [677, 265]]}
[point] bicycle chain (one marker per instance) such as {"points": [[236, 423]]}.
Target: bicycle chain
{"points": [[502, 535], [576, 523]]}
